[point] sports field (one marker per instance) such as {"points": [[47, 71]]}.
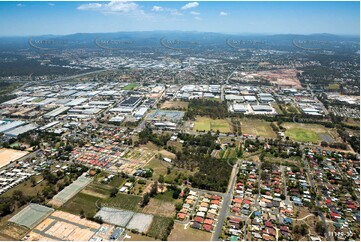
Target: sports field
{"points": [[8, 155], [314, 133], [130, 86], [257, 127], [207, 124]]}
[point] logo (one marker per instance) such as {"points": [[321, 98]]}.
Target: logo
{"points": [[310, 45], [48, 44], [111, 44], [243, 44], [178, 44]]}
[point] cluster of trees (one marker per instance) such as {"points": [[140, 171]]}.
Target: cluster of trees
{"points": [[147, 135], [213, 174], [336, 145], [153, 191], [204, 107]]}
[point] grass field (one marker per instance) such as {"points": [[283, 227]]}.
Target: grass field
{"points": [[124, 201], [174, 105], [352, 122], [180, 234], [158, 229], [26, 187], [257, 127], [314, 133], [79, 202], [98, 190], [207, 124], [130, 86]]}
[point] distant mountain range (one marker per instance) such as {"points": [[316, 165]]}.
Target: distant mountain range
{"points": [[153, 38]]}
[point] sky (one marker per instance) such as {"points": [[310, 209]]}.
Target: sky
{"points": [[60, 18]]}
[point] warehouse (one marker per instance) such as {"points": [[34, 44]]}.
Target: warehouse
{"points": [[20, 130], [10, 125], [131, 102], [56, 112]]}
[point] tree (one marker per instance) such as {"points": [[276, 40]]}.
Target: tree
{"points": [[320, 228], [161, 179], [154, 189], [82, 213], [33, 181], [113, 192], [145, 200]]}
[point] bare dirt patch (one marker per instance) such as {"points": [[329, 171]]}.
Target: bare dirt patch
{"points": [[161, 208], [8, 155], [174, 105], [282, 77]]}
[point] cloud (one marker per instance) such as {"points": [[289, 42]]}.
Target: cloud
{"points": [[197, 18], [20, 5], [51, 4], [120, 7], [190, 5], [195, 13], [223, 13], [157, 8]]}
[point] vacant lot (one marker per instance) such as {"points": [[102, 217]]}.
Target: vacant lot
{"points": [[257, 127], [207, 124], [180, 234], [11, 231], [159, 207], [137, 237], [8, 155], [98, 190], [159, 227], [314, 133], [174, 105]]}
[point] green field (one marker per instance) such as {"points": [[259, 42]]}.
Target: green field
{"points": [[79, 202], [159, 227], [208, 124], [130, 86], [124, 201], [307, 132], [257, 127]]}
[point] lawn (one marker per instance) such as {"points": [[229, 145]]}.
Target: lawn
{"points": [[130, 86], [180, 234], [207, 124], [257, 127], [314, 133], [159, 227]]}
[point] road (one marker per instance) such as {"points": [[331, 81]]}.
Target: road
{"points": [[227, 199]]}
